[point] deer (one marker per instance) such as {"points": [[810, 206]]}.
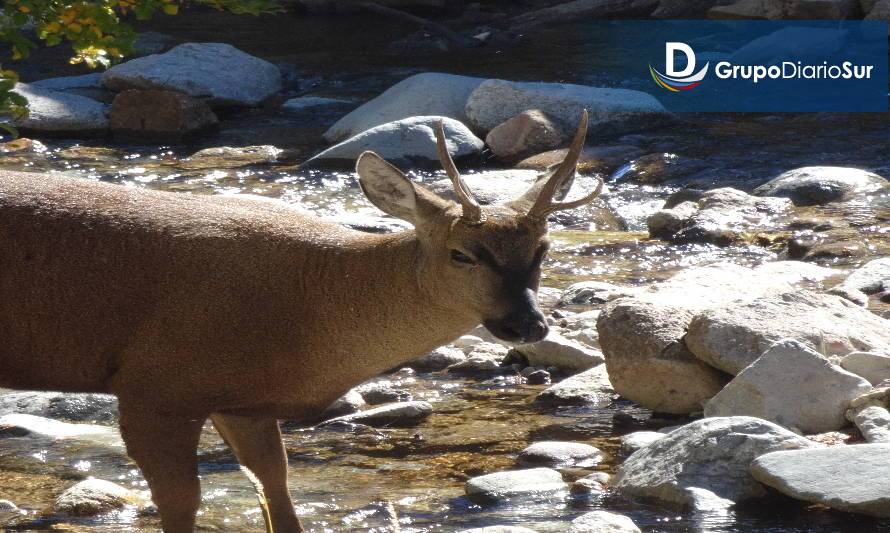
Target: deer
{"points": [[244, 312]]}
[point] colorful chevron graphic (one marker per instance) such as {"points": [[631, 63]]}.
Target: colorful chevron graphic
{"points": [[676, 85]]}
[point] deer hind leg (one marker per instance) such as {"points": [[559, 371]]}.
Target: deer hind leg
{"points": [[258, 447], [165, 448]]}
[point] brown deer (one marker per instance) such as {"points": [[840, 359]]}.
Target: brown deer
{"points": [[191, 307]]}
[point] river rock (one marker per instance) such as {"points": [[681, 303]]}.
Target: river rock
{"points": [[86, 85], [71, 407], [653, 169], [871, 414], [406, 142], [380, 391], [870, 278], [822, 185], [612, 111], [594, 159], [438, 359], [394, 415], [596, 482], [219, 157], [351, 402], [527, 133], [793, 386], [639, 439], [159, 116], [733, 336], [504, 486], [216, 72], [875, 367], [590, 388], [569, 356], [593, 292], [23, 425], [498, 529], [557, 454], [57, 112], [304, 103], [603, 522], [712, 454], [852, 478], [425, 94], [93, 497]]}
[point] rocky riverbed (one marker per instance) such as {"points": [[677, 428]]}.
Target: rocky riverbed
{"points": [[719, 319]]}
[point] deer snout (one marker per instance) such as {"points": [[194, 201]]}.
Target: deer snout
{"points": [[526, 324]]}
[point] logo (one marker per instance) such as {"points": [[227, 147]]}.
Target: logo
{"points": [[683, 80]]}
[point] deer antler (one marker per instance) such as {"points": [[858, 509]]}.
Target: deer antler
{"points": [[540, 195], [472, 213]]}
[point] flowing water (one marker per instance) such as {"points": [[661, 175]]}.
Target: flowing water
{"points": [[353, 480]]}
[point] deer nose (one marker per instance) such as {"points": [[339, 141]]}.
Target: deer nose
{"points": [[528, 328]]}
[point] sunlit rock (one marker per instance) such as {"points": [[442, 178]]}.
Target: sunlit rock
{"points": [[533, 483], [557, 454]]}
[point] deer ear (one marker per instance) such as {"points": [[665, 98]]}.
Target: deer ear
{"points": [[391, 191]]}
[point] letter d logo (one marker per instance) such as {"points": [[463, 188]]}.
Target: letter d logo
{"points": [[670, 52], [674, 80]]}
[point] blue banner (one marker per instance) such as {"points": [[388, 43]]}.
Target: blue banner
{"points": [[751, 65]]}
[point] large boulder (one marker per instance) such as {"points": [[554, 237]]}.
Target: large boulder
{"points": [[642, 336], [216, 72], [822, 185], [410, 141], [853, 478], [712, 454], [69, 407], [159, 116], [612, 111], [732, 336], [60, 113], [425, 94], [589, 388], [793, 386], [530, 483]]}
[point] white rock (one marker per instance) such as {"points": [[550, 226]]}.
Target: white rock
{"points": [[733, 336], [711, 454], [93, 497], [303, 103], [349, 403], [72, 407], [406, 141], [467, 341], [603, 522], [611, 110], [639, 439], [215, 71], [426, 94], [871, 277], [822, 185], [591, 388], [852, 478], [591, 483], [875, 367], [502, 486], [793, 386], [558, 454], [567, 355], [60, 112], [36, 427], [871, 414], [392, 414]]}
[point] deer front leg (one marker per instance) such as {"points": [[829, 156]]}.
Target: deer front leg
{"points": [[258, 447], [165, 448]]}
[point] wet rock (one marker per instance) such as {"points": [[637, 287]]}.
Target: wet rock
{"points": [[592, 483], [731, 337], [873, 366], [351, 402], [21, 145], [426, 94], [652, 169], [594, 159], [832, 251], [590, 388], [527, 133], [603, 522], [682, 9], [612, 111], [822, 185], [639, 439], [870, 278], [159, 116], [216, 72], [749, 9], [23, 425], [538, 377], [567, 355], [871, 415], [408, 141], [382, 391], [502, 486], [93, 497], [498, 529], [593, 292], [792, 386], [712, 454], [70, 407], [859, 480], [90, 153], [438, 359], [57, 112], [394, 415], [304, 103], [557, 454], [230, 157]]}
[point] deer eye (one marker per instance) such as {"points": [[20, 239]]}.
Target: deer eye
{"points": [[460, 257]]}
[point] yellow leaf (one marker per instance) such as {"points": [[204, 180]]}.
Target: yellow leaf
{"points": [[24, 9], [171, 9], [75, 27]]}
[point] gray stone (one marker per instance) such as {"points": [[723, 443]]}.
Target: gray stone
{"points": [[875, 367], [92, 497], [219, 157], [871, 277], [612, 111], [407, 141], [71, 407], [822, 185], [596, 482], [593, 292], [66, 83], [557, 454], [218, 72], [871, 414], [426, 94], [590, 388], [381, 391], [503, 486], [351, 402], [569, 356], [852, 478], [527, 133], [60, 112], [393, 414], [603, 522], [793, 386], [732, 337], [713, 454], [639, 439], [438, 359]]}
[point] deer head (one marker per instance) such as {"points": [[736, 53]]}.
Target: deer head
{"points": [[483, 261]]}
